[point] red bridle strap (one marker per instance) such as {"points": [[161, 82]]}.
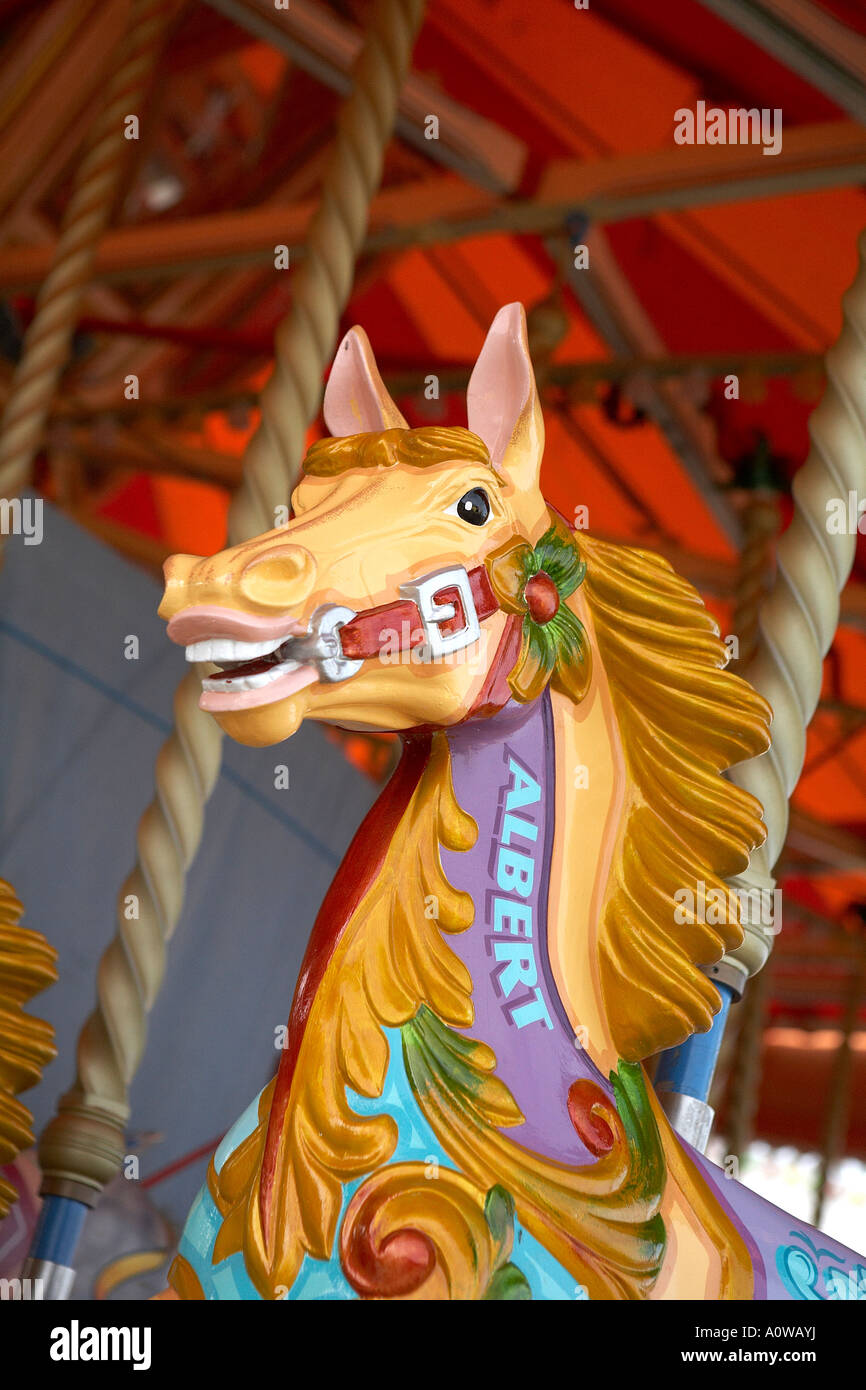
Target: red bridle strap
{"points": [[377, 629]]}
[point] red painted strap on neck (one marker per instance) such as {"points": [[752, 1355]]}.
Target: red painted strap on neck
{"points": [[376, 628]]}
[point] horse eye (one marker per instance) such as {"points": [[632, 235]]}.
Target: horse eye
{"points": [[473, 507]]}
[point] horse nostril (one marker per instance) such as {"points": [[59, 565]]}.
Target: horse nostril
{"points": [[279, 578], [177, 570]]}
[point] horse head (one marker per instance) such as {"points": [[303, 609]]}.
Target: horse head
{"points": [[423, 581], [396, 594]]}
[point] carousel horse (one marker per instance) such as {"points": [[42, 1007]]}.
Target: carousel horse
{"points": [[461, 1108]]}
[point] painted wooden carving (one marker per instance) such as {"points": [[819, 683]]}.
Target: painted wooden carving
{"points": [[461, 1110]]}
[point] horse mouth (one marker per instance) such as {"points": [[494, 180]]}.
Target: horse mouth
{"points": [[250, 674]]}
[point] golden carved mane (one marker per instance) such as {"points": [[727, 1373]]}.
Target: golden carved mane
{"points": [[683, 720], [419, 448]]}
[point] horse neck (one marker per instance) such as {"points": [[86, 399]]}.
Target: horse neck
{"points": [[573, 755], [533, 883]]}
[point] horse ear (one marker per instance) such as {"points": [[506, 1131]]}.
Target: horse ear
{"points": [[356, 401], [502, 402]]}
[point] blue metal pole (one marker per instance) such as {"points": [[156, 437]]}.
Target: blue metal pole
{"points": [[52, 1252], [684, 1075]]}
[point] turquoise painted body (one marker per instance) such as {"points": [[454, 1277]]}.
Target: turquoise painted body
{"points": [[320, 1279]]}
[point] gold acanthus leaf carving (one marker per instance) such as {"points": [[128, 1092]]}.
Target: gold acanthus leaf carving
{"points": [[27, 965], [602, 1222], [407, 1235]]}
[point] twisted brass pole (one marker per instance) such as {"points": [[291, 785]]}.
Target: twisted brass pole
{"points": [[798, 619], [796, 623], [305, 339], [48, 339], [83, 1146], [760, 529]]}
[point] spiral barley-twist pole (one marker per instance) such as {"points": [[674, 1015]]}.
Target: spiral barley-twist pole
{"points": [[48, 339], [306, 337], [798, 618], [796, 623], [83, 1146], [757, 563]]}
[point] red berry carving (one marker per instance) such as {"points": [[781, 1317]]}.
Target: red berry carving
{"points": [[542, 598]]}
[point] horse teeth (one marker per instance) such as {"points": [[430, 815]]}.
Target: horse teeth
{"points": [[223, 649], [229, 683]]}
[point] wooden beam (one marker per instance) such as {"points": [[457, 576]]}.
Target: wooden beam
{"points": [[148, 451], [853, 611], [828, 154], [57, 99], [324, 45], [34, 46], [195, 299], [87, 405], [32, 226], [404, 383], [831, 845], [443, 208], [245, 237]]}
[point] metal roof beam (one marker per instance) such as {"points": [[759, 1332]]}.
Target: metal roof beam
{"points": [[325, 46], [807, 40], [615, 311]]}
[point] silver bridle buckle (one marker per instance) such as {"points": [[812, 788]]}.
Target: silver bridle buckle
{"points": [[437, 642], [322, 643]]}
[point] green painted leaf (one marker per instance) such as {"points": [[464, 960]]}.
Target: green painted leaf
{"points": [[558, 555], [639, 1123], [508, 1283], [499, 1212]]}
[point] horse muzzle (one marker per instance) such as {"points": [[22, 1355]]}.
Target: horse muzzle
{"points": [[264, 659]]}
